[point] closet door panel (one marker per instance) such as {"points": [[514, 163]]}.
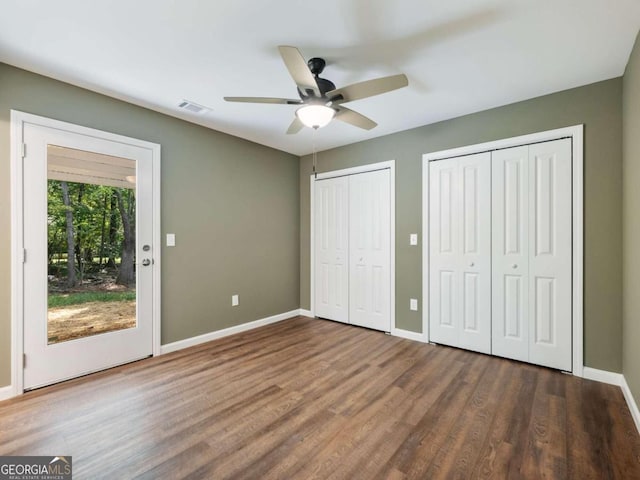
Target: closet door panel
{"points": [[474, 266], [510, 262], [331, 218], [550, 254], [444, 252], [460, 252], [370, 241]]}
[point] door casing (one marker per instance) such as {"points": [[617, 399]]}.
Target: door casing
{"points": [[18, 120]]}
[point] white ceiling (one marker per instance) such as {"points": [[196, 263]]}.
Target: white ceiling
{"points": [[461, 56]]}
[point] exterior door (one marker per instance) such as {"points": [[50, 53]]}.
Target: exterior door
{"points": [[62, 342], [460, 252], [331, 232], [370, 250]]}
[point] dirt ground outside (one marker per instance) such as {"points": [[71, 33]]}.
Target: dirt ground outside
{"points": [[92, 318]]}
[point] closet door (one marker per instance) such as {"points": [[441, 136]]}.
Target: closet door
{"points": [[370, 250], [532, 253], [510, 244], [331, 230], [550, 254], [460, 252], [475, 252], [444, 301]]}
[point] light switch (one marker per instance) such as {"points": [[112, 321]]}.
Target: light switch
{"points": [[413, 239], [171, 239], [413, 304], [235, 300]]}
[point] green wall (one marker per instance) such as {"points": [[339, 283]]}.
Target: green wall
{"points": [[232, 204], [631, 223], [598, 107], [237, 207]]}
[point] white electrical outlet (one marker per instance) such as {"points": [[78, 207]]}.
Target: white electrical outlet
{"points": [[413, 304], [171, 239], [235, 300], [413, 239]]}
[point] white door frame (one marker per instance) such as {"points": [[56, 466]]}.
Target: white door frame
{"points": [[576, 133], [18, 120], [372, 167]]}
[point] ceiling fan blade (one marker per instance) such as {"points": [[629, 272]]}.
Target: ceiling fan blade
{"points": [[354, 118], [285, 101], [368, 88], [295, 126], [299, 70]]}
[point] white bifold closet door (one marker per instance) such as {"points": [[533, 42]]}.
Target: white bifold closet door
{"points": [[460, 252], [531, 238], [331, 229], [370, 250], [352, 237], [510, 244]]}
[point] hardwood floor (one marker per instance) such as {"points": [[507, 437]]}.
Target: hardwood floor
{"points": [[312, 399]]}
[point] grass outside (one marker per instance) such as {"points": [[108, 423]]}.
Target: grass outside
{"points": [[66, 299], [73, 315]]}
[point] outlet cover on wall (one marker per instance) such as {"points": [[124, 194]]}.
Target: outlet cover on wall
{"points": [[413, 239], [235, 300], [171, 239], [413, 304]]}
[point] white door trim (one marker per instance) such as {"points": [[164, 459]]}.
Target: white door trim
{"points": [[18, 120], [372, 167], [576, 133]]}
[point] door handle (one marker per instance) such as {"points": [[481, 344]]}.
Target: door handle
{"points": [[146, 262]]}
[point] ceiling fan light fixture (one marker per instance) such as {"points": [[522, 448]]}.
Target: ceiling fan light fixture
{"points": [[315, 116]]}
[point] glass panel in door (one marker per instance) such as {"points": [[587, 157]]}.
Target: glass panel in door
{"points": [[91, 243]]}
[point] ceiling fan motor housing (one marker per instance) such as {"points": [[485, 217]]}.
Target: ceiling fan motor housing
{"points": [[316, 65], [324, 86]]}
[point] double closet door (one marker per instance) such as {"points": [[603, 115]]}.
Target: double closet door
{"points": [[500, 253], [352, 238]]}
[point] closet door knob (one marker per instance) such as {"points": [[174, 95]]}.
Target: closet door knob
{"points": [[472, 264], [515, 265]]}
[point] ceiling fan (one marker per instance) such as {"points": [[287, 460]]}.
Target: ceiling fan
{"points": [[320, 101]]}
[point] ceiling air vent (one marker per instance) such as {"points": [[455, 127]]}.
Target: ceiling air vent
{"points": [[193, 107]]}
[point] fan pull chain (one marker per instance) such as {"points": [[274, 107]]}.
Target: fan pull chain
{"points": [[315, 153]]}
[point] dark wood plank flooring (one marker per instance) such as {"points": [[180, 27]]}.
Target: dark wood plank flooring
{"points": [[313, 399]]}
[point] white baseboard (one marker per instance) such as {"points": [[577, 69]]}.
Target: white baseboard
{"points": [[602, 376], [633, 406], [618, 380], [207, 337], [409, 335], [305, 313], [7, 392]]}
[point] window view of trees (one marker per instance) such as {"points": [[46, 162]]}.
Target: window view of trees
{"points": [[91, 259], [91, 233]]}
